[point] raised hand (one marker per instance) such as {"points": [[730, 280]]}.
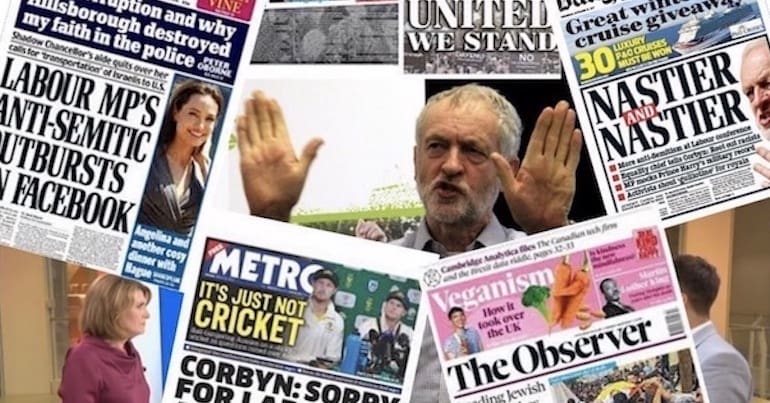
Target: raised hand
{"points": [[273, 176], [539, 192], [370, 230]]}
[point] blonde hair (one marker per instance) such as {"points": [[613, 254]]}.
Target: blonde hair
{"points": [[106, 299]]}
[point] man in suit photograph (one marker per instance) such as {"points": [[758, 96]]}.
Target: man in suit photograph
{"points": [[611, 292], [726, 373]]}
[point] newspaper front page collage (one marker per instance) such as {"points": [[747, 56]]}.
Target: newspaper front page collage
{"points": [[118, 151]]}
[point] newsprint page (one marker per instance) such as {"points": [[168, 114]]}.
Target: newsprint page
{"points": [[450, 37], [328, 32], [258, 325], [657, 86], [91, 94], [590, 312]]}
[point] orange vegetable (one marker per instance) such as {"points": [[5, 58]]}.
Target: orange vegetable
{"points": [[576, 292], [562, 277], [582, 314]]}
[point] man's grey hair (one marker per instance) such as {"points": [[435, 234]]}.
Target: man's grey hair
{"points": [[508, 120], [753, 45]]}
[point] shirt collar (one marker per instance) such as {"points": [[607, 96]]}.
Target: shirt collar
{"points": [[330, 309], [492, 234], [383, 326], [701, 326]]}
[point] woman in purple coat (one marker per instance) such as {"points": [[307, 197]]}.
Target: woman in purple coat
{"points": [[105, 367]]}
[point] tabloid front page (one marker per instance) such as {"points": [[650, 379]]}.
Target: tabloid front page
{"points": [[455, 37], [657, 86], [91, 96], [261, 324]]}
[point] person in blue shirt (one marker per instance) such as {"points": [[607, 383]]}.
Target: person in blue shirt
{"points": [[464, 340]]}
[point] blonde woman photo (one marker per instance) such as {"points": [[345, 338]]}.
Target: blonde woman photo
{"points": [[104, 367]]}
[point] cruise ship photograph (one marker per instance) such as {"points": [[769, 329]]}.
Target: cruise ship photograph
{"points": [[712, 28]]}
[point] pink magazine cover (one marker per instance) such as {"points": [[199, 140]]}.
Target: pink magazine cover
{"points": [[552, 295], [513, 304], [632, 274]]}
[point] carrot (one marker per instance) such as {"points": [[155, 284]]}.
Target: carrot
{"points": [[582, 314], [570, 290], [562, 277], [577, 290]]}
